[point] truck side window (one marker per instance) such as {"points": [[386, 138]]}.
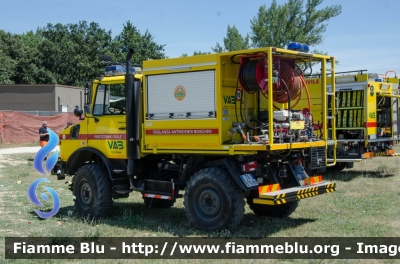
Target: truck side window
{"points": [[99, 102], [110, 100], [117, 102]]}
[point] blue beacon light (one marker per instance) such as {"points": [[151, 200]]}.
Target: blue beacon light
{"points": [[297, 46], [116, 70]]}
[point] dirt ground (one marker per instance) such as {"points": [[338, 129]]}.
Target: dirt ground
{"points": [[5, 159]]}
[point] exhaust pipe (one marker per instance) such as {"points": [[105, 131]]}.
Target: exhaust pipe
{"points": [[132, 92]]}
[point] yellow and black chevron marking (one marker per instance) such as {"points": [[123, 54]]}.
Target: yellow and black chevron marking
{"points": [[263, 201], [281, 201], [377, 154], [306, 195], [281, 196], [296, 190], [389, 152], [293, 194]]}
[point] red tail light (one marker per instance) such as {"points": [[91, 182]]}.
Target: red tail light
{"points": [[249, 166]]}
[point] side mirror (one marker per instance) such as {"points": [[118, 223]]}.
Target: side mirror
{"points": [[78, 111], [87, 109]]}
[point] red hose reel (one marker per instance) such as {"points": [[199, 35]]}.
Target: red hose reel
{"points": [[253, 76]]}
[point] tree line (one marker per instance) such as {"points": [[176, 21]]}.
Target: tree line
{"points": [[69, 54]]}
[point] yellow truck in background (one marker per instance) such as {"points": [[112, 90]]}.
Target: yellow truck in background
{"points": [[217, 130], [366, 115]]}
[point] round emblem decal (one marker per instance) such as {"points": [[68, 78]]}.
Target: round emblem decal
{"points": [[63, 136], [180, 93]]}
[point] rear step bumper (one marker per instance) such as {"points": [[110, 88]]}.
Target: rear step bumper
{"points": [[295, 193], [344, 160]]}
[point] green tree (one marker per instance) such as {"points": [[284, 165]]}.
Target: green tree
{"points": [[19, 59], [7, 66], [218, 48], [8, 63], [143, 45], [233, 41], [71, 51], [195, 53], [29, 68], [292, 21]]}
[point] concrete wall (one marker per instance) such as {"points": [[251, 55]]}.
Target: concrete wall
{"points": [[27, 97], [69, 96], [45, 97]]}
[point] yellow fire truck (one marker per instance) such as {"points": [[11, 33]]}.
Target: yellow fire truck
{"points": [[217, 127], [366, 115]]}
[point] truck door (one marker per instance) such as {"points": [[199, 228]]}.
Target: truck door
{"points": [[107, 130]]}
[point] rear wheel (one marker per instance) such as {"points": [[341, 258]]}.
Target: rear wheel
{"points": [[92, 188], [213, 200], [281, 211], [339, 166]]}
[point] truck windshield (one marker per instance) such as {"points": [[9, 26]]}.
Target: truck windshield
{"points": [[110, 99]]}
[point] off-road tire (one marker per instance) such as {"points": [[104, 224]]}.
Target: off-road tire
{"points": [[279, 211], [93, 191], [213, 201], [339, 166], [158, 203]]}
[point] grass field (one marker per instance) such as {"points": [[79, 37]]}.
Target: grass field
{"points": [[365, 204]]}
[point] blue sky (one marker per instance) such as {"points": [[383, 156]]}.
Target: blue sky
{"points": [[364, 36]]}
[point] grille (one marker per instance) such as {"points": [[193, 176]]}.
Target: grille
{"points": [[317, 158]]}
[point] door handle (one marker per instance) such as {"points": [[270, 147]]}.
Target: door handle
{"points": [[122, 128]]}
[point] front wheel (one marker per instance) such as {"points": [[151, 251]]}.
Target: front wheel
{"points": [[213, 201], [92, 188]]}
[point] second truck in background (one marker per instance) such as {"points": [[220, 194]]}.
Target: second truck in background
{"points": [[366, 115]]}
